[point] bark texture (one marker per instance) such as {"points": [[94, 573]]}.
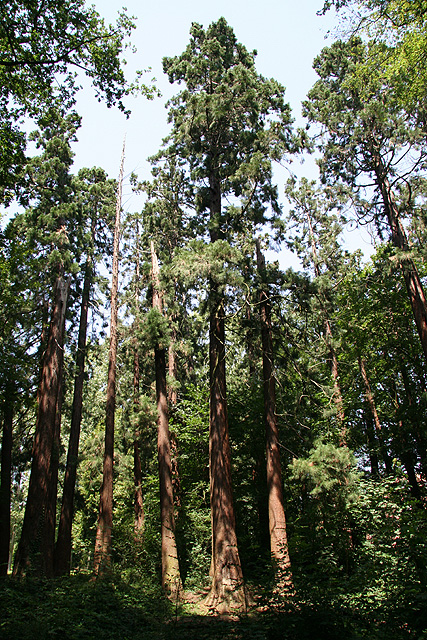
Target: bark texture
{"points": [[276, 511], [227, 589], [374, 419], [137, 467], [102, 558], [31, 554], [5, 481], [171, 578], [398, 237], [63, 543]]}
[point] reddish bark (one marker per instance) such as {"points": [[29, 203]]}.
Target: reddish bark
{"points": [[276, 510], [171, 578], [6, 482], [30, 553], [102, 556], [398, 237], [63, 543], [227, 589], [226, 572], [374, 415], [137, 469], [50, 526]]}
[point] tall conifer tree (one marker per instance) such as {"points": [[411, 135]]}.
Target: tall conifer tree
{"points": [[102, 560], [50, 225], [228, 124]]}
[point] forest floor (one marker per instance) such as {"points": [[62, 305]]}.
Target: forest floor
{"points": [[77, 609]]}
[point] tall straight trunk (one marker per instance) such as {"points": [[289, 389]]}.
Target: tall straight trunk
{"points": [[374, 415], [172, 401], [63, 543], [102, 557], [6, 477], [398, 237], [30, 553], [50, 526], [337, 397], [172, 369], [171, 578], [137, 468], [276, 509], [227, 589]]}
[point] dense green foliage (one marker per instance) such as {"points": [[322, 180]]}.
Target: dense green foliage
{"points": [[350, 372]]}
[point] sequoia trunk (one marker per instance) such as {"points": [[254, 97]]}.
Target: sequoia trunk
{"points": [[227, 589], [63, 543], [102, 560], [171, 579], [5, 485], [276, 510], [30, 553]]}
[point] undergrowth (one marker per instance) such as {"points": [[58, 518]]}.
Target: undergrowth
{"points": [[124, 608]]}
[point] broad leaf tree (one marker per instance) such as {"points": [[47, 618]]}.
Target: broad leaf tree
{"points": [[42, 46]]}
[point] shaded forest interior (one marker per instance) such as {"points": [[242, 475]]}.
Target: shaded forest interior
{"points": [[196, 441]]}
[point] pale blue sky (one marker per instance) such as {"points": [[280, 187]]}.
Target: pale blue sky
{"points": [[287, 35]]}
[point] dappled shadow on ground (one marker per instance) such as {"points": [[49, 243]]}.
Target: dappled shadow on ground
{"points": [[77, 609]]}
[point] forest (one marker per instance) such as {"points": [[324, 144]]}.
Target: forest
{"points": [[196, 441]]}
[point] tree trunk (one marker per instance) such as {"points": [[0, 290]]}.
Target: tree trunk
{"points": [[227, 589], [50, 526], [398, 236], [227, 577], [171, 578], [6, 478], [276, 510], [137, 468], [30, 552], [63, 543], [337, 396], [139, 517], [172, 370], [374, 415], [102, 558], [406, 453]]}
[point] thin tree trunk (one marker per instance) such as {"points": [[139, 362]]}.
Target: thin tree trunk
{"points": [[172, 369], [171, 578], [338, 399], [374, 413], [102, 557], [137, 468], [63, 543], [172, 401], [371, 441], [6, 478], [227, 589], [276, 510], [398, 236], [29, 555]]}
